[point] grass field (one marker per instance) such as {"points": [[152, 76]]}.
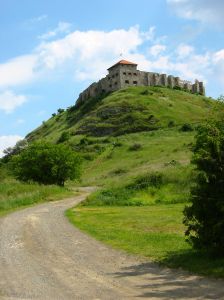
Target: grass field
{"points": [[155, 232], [14, 194]]}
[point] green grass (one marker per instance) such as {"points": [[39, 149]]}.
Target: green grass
{"points": [[14, 194], [127, 111], [155, 232]]}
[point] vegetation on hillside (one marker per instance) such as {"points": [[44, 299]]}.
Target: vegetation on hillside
{"points": [[46, 163], [15, 194], [205, 216], [136, 146]]}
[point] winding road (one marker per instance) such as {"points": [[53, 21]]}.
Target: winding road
{"points": [[42, 256]]}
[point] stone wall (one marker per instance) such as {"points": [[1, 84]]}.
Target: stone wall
{"points": [[122, 75]]}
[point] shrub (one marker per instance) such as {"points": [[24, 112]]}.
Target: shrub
{"points": [[187, 127], [47, 163], [205, 216], [141, 182], [64, 137], [135, 147], [60, 110], [171, 123]]}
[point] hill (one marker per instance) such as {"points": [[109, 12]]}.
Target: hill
{"points": [[136, 146], [134, 109], [130, 131]]}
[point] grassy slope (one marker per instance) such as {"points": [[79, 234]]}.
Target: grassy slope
{"points": [[151, 118], [135, 108], [14, 194]]}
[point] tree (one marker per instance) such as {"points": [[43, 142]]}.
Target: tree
{"points": [[47, 164], [221, 98], [205, 216], [10, 151]]}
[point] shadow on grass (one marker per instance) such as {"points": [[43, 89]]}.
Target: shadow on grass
{"points": [[197, 262], [164, 283]]}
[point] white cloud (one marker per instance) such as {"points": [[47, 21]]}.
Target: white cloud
{"points": [[155, 50], [184, 50], [218, 63], [38, 19], [17, 71], [205, 11], [63, 27], [87, 54], [9, 101], [8, 141]]}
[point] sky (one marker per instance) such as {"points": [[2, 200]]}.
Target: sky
{"points": [[51, 50]]}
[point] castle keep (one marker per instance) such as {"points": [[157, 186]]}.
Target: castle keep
{"points": [[125, 73]]}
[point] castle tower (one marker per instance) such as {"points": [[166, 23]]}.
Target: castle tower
{"points": [[122, 74]]}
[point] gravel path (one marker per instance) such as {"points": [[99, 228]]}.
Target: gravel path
{"points": [[42, 256]]}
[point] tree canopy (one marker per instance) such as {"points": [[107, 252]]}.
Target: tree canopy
{"points": [[205, 216], [47, 163]]}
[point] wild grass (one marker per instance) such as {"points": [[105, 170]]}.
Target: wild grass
{"points": [[14, 194]]}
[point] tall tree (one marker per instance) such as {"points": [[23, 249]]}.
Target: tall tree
{"points": [[205, 216]]}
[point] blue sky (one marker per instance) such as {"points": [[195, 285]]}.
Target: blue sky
{"points": [[52, 50]]}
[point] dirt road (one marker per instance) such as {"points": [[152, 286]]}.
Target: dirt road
{"points": [[42, 256]]}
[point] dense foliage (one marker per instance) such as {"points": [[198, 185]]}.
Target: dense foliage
{"points": [[205, 216], [47, 163]]}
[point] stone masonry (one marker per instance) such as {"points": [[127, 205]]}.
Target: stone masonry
{"points": [[125, 73]]}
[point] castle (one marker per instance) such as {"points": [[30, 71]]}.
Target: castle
{"points": [[124, 73]]}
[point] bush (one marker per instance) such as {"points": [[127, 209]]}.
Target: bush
{"points": [[205, 216], [135, 147], [171, 123], [46, 163], [141, 182], [64, 137], [187, 127]]}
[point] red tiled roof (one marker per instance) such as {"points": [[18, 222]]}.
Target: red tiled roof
{"points": [[123, 62]]}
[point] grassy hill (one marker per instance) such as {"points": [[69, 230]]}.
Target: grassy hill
{"points": [[136, 146], [134, 109]]}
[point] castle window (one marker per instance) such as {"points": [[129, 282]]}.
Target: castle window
{"points": [[116, 74], [115, 83], [124, 73], [135, 74], [112, 76], [108, 77], [129, 73], [127, 81], [135, 82], [110, 85]]}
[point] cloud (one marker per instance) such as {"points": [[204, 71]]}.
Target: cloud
{"points": [[9, 101], [17, 71], [63, 27], [38, 19], [91, 51], [8, 141], [205, 11], [184, 50], [85, 55], [155, 50], [218, 62]]}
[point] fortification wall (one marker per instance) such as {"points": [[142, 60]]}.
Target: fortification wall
{"points": [[122, 76]]}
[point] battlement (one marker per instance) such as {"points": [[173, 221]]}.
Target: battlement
{"points": [[125, 73]]}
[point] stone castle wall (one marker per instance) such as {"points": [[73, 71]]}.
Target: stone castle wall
{"points": [[122, 75]]}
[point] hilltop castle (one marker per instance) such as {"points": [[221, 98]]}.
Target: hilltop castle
{"points": [[124, 73]]}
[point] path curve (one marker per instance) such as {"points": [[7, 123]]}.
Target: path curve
{"points": [[42, 256]]}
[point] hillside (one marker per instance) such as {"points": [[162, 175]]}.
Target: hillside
{"points": [[136, 146], [130, 131], [129, 110]]}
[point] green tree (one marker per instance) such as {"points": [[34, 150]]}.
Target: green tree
{"points": [[205, 216], [47, 163]]}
